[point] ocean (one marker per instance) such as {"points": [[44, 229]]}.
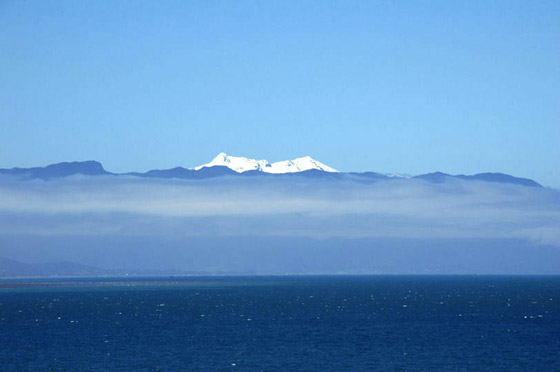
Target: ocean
{"points": [[296, 323]]}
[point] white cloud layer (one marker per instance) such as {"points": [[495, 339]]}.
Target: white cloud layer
{"points": [[279, 207]]}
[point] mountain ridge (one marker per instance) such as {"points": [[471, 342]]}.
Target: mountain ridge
{"points": [[57, 170], [311, 169]]}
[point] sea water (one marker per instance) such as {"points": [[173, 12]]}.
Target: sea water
{"points": [[309, 323]]}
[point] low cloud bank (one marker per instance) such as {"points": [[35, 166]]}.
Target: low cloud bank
{"points": [[277, 207]]}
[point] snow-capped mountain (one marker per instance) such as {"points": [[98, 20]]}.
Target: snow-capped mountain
{"points": [[224, 165], [240, 164]]}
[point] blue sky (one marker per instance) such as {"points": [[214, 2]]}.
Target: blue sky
{"points": [[411, 87]]}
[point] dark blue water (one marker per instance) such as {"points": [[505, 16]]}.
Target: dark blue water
{"points": [[401, 323]]}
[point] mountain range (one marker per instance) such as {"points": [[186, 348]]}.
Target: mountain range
{"points": [[226, 165], [239, 216]]}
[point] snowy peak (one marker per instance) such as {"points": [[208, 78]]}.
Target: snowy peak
{"points": [[240, 164], [298, 165], [236, 163]]}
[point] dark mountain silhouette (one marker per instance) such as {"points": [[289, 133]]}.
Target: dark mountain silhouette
{"points": [[439, 177], [90, 168], [500, 177], [184, 173], [94, 168]]}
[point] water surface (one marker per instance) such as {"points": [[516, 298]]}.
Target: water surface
{"points": [[331, 323]]}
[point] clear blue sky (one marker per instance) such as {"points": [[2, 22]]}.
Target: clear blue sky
{"points": [[388, 86]]}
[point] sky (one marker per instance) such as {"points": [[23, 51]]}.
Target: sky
{"points": [[407, 87]]}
